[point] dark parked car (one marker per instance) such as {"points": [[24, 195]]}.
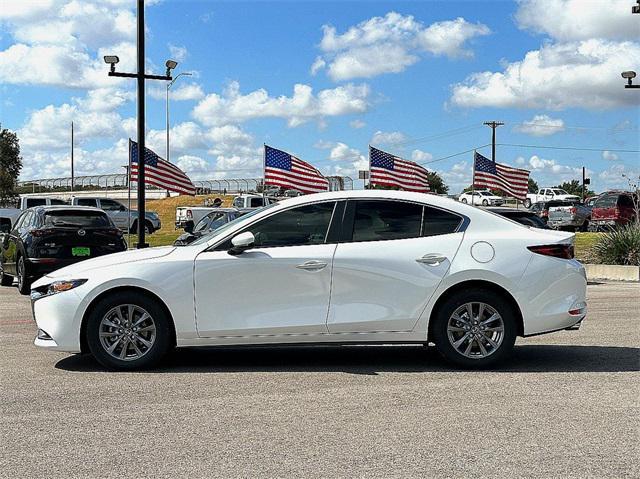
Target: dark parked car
{"points": [[541, 208], [46, 238], [611, 210], [207, 223], [524, 217]]}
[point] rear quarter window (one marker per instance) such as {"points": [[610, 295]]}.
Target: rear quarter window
{"points": [[607, 201]]}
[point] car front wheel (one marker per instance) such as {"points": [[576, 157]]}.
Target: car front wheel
{"points": [[475, 329], [527, 203], [128, 331], [464, 200]]}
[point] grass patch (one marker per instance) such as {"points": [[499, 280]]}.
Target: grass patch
{"points": [[584, 246]]}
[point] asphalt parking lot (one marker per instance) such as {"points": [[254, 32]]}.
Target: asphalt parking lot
{"points": [[567, 404]]}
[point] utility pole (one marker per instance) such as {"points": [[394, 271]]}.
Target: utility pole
{"points": [[493, 125], [140, 76], [583, 178], [72, 175]]}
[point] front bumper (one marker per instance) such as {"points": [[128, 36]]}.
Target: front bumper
{"points": [[58, 318]]}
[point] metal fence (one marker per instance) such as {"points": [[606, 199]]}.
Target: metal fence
{"points": [[119, 181]]}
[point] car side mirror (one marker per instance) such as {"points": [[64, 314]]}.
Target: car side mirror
{"points": [[242, 242], [188, 226]]}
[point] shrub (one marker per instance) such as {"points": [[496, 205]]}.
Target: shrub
{"points": [[621, 246]]}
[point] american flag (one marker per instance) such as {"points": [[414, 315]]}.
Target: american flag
{"points": [[159, 172], [513, 181], [388, 170], [283, 169]]}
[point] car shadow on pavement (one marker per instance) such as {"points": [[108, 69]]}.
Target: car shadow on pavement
{"points": [[371, 360]]}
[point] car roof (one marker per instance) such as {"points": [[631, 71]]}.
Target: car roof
{"points": [[506, 209], [45, 208]]}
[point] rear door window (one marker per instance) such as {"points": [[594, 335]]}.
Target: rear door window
{"points": [[625, 201], [86, 202], [380, 220]]}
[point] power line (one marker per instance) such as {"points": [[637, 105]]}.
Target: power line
{"points": [[437, 136], [455, 154], [568, 148]]}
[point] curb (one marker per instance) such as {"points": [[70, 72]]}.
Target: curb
{"points": [[612, 272]]}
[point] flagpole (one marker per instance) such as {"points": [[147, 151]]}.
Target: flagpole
{"points": [[473, 179], [365, 180], [129, 198], [264, 174]]}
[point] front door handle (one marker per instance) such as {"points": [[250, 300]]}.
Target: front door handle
{"points": [[312, 265], [433, 259]]}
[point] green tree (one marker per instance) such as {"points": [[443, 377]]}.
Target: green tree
{"points": [[437, 184], [533, 186], [574, 187], [10, 165]]}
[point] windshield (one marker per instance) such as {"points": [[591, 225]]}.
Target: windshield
{"points": [[219, 231], [485, 193], [204, 223]]}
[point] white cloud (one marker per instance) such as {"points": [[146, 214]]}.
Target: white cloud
{"points": [[609, 155], [584, 74], [317, 65], [419, 156], [357, 124], [541, 125], [342, 152], [569, 20], [177, 53], [234, 107], [388, 138], [611, 178], [193, 166], [394, 41], [550, 172], [189, 91]]}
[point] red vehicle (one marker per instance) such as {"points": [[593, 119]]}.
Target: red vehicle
{"points": [[611, 210]]}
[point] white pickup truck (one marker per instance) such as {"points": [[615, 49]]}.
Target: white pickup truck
{"points": [[251, 201], [548, 194], [26, 202]]}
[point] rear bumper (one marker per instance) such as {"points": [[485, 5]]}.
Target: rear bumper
{"points": [[565, 222], [552, 295]]}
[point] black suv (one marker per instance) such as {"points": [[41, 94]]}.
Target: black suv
{"points": [[46, 238]]}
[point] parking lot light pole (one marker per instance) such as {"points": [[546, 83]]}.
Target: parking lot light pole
{"points": [[168, 87], [140, 76]]}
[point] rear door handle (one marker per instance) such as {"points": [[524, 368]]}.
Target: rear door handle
{"points": [[312, 265], [432, 259]]}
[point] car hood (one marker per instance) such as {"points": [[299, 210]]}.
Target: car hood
{"points": [[110, 260]]}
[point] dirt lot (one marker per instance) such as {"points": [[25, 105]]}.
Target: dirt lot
{"points": [[566, 405]]}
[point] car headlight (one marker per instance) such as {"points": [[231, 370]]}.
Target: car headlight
{"points": [[56, 287]]}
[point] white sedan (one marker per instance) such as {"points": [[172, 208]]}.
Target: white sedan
{"points": [[482, 197], [340, 267]]}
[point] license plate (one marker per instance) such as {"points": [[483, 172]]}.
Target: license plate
{"points": [[80, 251]]}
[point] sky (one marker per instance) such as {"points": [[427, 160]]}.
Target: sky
{"points": [[323, 80]]}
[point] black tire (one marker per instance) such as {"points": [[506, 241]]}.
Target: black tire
{"points": [[24, 281], [485, 203], [148, 227], [527, 203], [464, 200], [5, 279], [585, 226], [161, 343], [444, 313]]}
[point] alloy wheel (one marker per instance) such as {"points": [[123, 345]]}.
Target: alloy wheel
{"points": [[20, 273], [127, 332], [475, 330]]}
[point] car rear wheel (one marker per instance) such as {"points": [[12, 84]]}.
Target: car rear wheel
{"points": [[475, 329], [128, 331], [485, 203], [24, 283], [464, 200]]}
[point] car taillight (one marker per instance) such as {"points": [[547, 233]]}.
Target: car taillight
{"points": [[545, 212], [564, 251], [39, 233], [572, 210], [114, 231], [189, 214]]}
